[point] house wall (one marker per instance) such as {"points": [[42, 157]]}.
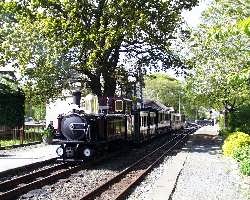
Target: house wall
{"points": [[59, 106]]}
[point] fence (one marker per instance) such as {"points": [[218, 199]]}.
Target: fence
{"points": [[29, 133]]}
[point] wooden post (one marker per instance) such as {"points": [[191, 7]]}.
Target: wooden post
{"points": [[21, 131]]}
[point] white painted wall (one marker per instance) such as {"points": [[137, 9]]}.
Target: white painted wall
{"points": [[54, 108]]}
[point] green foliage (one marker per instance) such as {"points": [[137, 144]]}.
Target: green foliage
{"points": [[224, 132], [220, 58], [240, 119], [245, 166], [163, 88], [48, 133], [244, 25], [221, 122], [242, 155], [237, 145], [235, 141], [64, 42], [9, 143], [36, 111], [11, 106]]}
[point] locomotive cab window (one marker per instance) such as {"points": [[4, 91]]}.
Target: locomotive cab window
{"points": [[118, 105]]}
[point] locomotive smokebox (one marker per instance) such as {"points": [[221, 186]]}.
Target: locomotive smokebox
{"points": [[77, 97]]}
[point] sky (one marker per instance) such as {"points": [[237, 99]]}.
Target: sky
{"points": [[193, 17]]}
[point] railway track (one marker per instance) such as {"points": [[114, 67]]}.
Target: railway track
{"points": [[26, 168], [15, 187], [120, 186]]}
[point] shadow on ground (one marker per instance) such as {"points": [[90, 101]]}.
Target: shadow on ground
{"points": [[203, 143]]}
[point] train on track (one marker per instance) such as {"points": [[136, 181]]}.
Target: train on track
{"points": [[99, 123]]}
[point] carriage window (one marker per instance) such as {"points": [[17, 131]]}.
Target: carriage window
{"points": [[152, 120], [167, 116], [118, 105], [145, 122], [142, 121]]}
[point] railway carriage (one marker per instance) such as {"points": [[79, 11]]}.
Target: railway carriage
{"points": [[97, 124], [177, 121]]}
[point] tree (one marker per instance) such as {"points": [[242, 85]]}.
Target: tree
{"points": [[163, 88], [220, 56], [68, 41]]}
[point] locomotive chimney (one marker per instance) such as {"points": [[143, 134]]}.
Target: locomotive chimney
{"points": [[77, 97]]}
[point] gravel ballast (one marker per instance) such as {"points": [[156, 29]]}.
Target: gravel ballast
{"points": [[82, 182], [205, 174], [199, 171]]}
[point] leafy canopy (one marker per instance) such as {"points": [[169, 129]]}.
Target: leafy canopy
{"points": [[220, 57], [59, 42], [163, 88]]}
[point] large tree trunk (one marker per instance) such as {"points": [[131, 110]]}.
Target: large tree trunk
{"points": [[95, 85], [109, 84], [107, 67], [109, 87]]}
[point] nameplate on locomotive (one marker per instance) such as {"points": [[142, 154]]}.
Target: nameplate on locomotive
{"points": [[77, 126]]}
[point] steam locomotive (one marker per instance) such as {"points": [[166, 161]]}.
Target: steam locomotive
{"points": [[96, 124]]}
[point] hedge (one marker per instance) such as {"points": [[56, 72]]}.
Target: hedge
{"points": [[11, 106], [237, 145]]}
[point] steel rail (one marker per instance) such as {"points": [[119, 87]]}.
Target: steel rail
{"points": [[131, 170], [13, 188], [7, 185], [20, 185], [28, 167]]}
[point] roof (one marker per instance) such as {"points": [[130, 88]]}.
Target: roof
{"points": [[156, 105]]}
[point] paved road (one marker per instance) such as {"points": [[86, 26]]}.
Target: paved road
{"points": [[18, 157]]}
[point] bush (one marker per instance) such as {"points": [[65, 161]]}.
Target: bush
{"points": [[235, 141], [243, 156], [245, 166], [242, 153], [47, 133], [221, 122], [11, 106], [240, 119]]}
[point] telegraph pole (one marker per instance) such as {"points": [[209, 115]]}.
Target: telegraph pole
{"points": [[179, 104]]}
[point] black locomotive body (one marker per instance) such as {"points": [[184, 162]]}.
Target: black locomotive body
{"points": [[106, 122]]}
